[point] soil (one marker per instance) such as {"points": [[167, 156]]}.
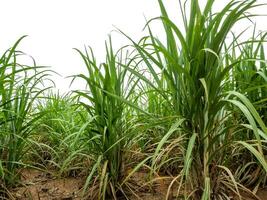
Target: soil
{"points": [[39, 185], [262, 194]]}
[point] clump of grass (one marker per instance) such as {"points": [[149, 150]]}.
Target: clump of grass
{"points": [[61, 134], [194, 81], [109, 88], [20, 86]]}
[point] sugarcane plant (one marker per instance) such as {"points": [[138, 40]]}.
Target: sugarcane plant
{"points": [[194, 81], [61, 138], [20, 86], [109, 88]]}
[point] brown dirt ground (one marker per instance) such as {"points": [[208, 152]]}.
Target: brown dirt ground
{"points": [[39, 185]]}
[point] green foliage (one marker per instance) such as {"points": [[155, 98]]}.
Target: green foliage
{"points": [[195, 78], [19, 88], [193, 105], [109, 87], [61, 141]]}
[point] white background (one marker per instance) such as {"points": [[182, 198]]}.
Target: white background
{"points": [[55, 27]]}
